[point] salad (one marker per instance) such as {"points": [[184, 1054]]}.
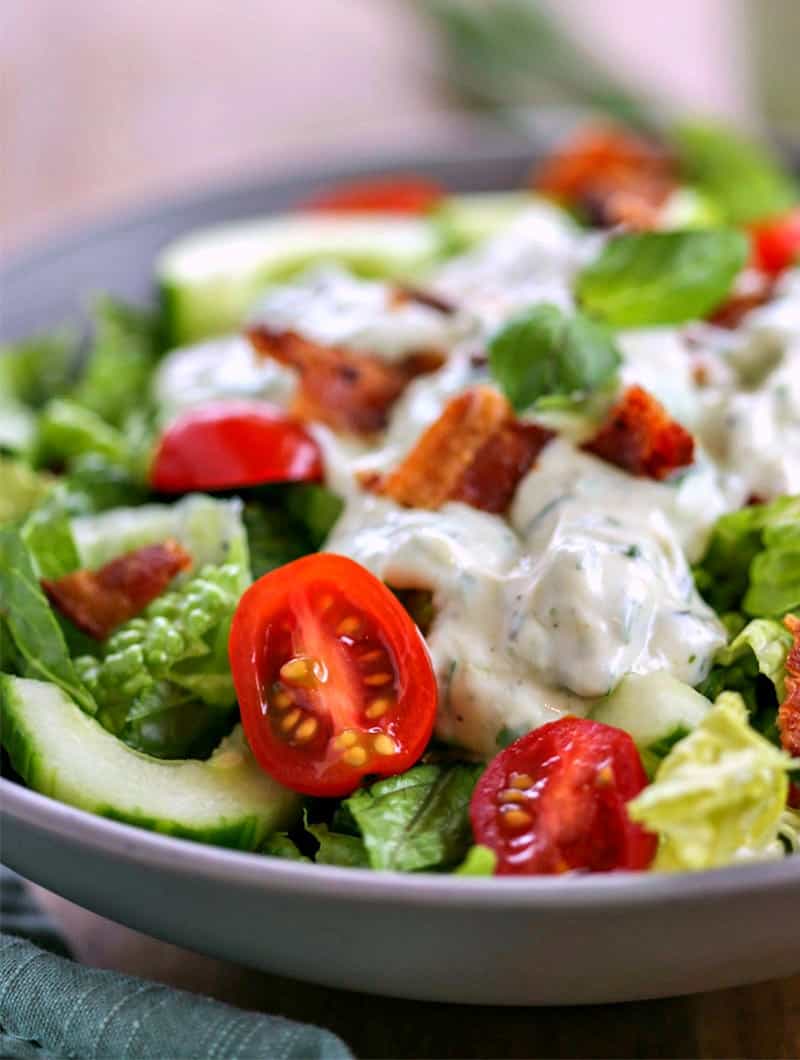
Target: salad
{"points": [[419, 531]]}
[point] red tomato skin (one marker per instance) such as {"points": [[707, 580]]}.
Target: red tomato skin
{"points": [[401, 194], [776, 242], [232, 444], [294, 588], [583, 774]]}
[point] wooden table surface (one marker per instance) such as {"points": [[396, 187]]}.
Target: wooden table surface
{"points": [[139, 99]]}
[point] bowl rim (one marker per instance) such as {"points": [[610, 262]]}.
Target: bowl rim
{"points": [[182, 857]]}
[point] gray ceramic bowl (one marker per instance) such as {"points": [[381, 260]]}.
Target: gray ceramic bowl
{"points": [[506, 941]]}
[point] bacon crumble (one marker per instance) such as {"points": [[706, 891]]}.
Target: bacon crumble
{"points": [[789, 710], [752, 289], [98, 601], [475, 452], [615, 177], [347, 390], [641, 437], [403, 293]]}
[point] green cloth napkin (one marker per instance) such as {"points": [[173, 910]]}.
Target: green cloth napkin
{"points": [[52, 1008]]}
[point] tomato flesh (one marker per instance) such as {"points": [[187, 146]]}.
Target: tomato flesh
{"points": [[776, 243], [333, 678], [401, 194], [555, 801], [226, 445]]}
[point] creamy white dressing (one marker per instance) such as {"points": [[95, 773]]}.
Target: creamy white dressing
{"points": [[750, 411], [217, 370], [545, 615], [588, 578], [335, 308], [533, 260], [658, 359]]}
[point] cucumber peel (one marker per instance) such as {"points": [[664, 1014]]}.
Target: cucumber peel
{"points": [[209, 279], [59, 751]]}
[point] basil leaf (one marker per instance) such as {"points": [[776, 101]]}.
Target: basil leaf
{"points": [[543, 353], [417, 820], [740, 176], [644, 278], [29, 620]]}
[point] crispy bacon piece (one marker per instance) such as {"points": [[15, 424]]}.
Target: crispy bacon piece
{"points": [[349, 391], [476, 452], [752, 289], [641, 437], [98, 601], [789, 710], [614, 176], [404, 293]]}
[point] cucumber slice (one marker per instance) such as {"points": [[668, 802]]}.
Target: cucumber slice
{"points": [[209, 279], [465, 220], [656, 709], [62, 752], [211, 531]]}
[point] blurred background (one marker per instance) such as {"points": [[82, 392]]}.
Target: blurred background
{"points": [[110, 102]]}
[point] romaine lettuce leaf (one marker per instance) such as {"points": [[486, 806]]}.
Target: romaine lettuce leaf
{"points": [[27, 618], [418, 819], [649, 278], [284, 523], [739, 176], [211, 531], [21, 489], [719, 795], [37, 369], [17, 427], [545, 353], [162, 681], [47, 532], [752, 563], [124, 350], [338, 848], [759, 650], [480, 861], [67, 430]]}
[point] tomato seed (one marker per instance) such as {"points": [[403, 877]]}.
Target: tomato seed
{"points": [[378, 708], [291, 720], [356, 756], [384, 745], [516, 818], [302, 671], [345, 739], [378, 679]]}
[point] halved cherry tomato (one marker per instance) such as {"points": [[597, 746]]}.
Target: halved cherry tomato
{"points": [[555, 801], [776, 243], [333, 678], [400, 194], [230, 444]]}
